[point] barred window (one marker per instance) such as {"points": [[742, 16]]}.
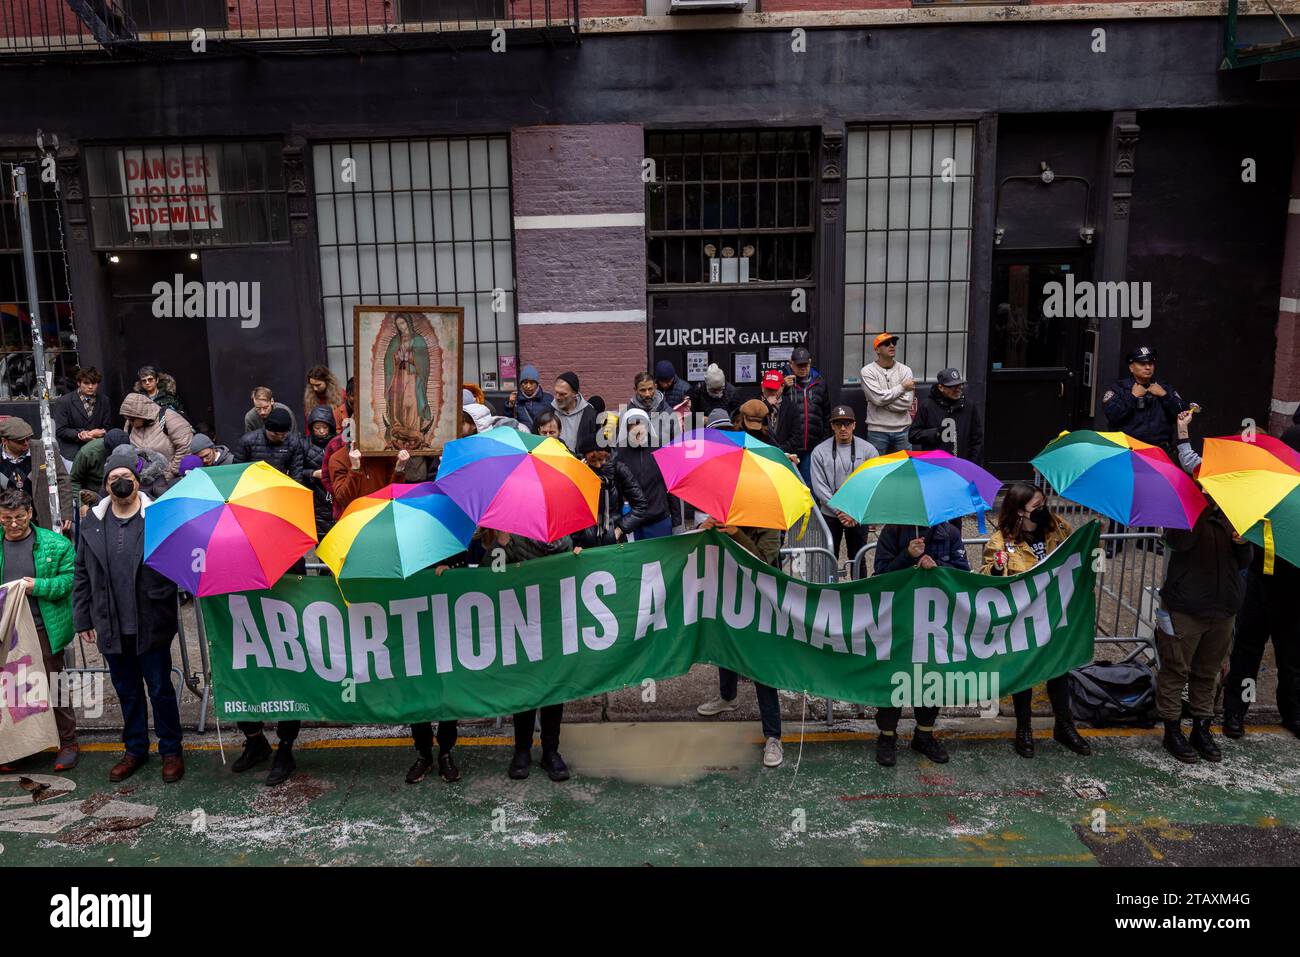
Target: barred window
{"points": [[421, 222], [908, 210], [744, 195], [187, 194]]}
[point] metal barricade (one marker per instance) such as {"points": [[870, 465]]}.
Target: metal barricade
{"points": [[813, 559]]}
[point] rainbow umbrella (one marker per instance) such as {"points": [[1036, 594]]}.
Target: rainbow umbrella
{"points": [[1119, 476], [735, 478], [229, 528], [394, 532], [1257, 484], [520, 483], [916, 488]]}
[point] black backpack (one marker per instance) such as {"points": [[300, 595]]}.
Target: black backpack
{"points": [[1113, 692]]}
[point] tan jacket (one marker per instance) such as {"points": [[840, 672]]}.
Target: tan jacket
{"points": [[1020, 557], [168, 434]]}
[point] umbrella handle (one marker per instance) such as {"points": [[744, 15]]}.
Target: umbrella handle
{"points": [[1268, 547]]}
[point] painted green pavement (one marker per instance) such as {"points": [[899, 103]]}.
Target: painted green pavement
{"points": [[677, 794]]}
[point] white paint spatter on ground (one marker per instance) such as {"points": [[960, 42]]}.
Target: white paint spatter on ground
{"points": [[1248, 773]]}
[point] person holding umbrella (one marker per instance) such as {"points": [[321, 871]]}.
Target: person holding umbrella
{"points": [[1026, 533], [832, 462]]}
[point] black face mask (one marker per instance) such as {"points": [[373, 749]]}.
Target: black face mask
{"points": [[1040, 517], [122, 488]]}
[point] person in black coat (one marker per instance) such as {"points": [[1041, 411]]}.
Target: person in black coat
{"points": [[82, 415], [637, 456], [320, 429], [1142, 406], [129, 611], [276, 445], [715, 392], [946, 421], [618, 486], [809, 401]]}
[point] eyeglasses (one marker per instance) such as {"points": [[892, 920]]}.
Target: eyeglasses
{"points": [[15, 520], [842, 424]]}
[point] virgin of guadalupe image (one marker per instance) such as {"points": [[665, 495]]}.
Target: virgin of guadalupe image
{"points": [[406, 372]]}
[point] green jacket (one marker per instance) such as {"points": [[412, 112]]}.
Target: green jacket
{"points": [[54, 558], [88, 467]]}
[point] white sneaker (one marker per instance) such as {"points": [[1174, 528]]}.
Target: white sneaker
{"points": [[716, 706], [773, 753]]}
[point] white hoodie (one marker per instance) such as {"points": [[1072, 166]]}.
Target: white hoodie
{"points": [[889, 406]]}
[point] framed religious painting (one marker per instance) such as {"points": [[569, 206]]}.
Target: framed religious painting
{"points": [[408, 371]]}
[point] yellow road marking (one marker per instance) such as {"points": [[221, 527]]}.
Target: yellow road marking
{"points": [[999, 860]]}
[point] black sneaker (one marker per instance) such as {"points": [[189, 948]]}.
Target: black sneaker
{"points": [[887, 750], [1292, 725], [282, 766], [423, 764], [447, 769], [1024, 742], [1067, 735], [1203, 741], [554, 766], [926, 743], [1175, 743], [256, 750], [519, 764], [1234, 724]]}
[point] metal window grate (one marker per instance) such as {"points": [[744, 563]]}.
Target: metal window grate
{"points": [[908, 210], [734, 190], [17, 368], [187, 195], [424, 222]]}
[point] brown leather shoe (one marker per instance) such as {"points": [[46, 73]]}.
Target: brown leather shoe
{"points": [[67, 757], [173, 768], [129, 764]]}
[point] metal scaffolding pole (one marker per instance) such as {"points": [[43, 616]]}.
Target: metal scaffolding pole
{"points": [[44, 380]]}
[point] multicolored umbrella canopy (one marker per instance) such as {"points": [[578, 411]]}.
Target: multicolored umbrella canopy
{"points": [[735, 478], [1123, 478], [395, 532], [229, 528], [1257, 484], [519, 483], [916, 488]]}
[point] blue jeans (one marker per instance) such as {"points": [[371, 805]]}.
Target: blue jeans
{"points": [[886, 442], [805, 467], [132, 676], [660, 528], [769, 705]]}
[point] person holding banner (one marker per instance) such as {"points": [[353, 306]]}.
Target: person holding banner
{"points": [[1026, 533], [911, 546]]}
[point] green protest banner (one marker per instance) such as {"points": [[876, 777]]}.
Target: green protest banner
{"points": [[474, 642]]}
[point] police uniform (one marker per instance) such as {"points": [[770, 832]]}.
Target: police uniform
{"points": [[1148, 418]]}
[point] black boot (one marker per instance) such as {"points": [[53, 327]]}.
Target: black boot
{"points": [[256, 750], [1024, 742], [420, 768], [282, 766], [1234, 724], [520, 763], [1176, 743], [1203, 741], [887, 750], [447, 769], [1066, 734], [926, 743], [1292, 725], [554, 766]]}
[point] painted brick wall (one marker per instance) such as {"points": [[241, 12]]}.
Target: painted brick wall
{"points": [[560, 172]]}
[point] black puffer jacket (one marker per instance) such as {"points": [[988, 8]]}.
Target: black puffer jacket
{"points": [[1204, 577], [289, 456], [702, 403], [313, 459], [617, 486], [810, 404], [641, 463], [927, 431]]}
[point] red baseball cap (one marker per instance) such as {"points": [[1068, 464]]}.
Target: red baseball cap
{"points": [[772, 379]]}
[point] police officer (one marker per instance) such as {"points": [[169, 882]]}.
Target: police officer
{"points": [[1142, 406]]}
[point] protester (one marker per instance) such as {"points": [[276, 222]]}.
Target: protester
{"points": [[888, 385], [275, 444], [485, 419], [129, 611], [530, 399], [946, 421], [476, 394], [263, 403], [618, 488], [910, 546], [320, 429], [87, 474], [151, 469], [341, 440], [715, 392], [159, 388], [516, 548], [81, 416], [1026, 533], [673, 388], [25, 470], [809, 399], [664, 424], [547, 424], [1202, 592], [210, 452], [163, 430], [1142, 406], [353, 475], [43, 561], [832, 462], [575, 414], [773, 390], [323, 389], [635, 452]]}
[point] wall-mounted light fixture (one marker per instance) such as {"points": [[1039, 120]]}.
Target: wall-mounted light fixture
{"points": [[1087, 234], [997, 236], [114, 259], [194, 256]]}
